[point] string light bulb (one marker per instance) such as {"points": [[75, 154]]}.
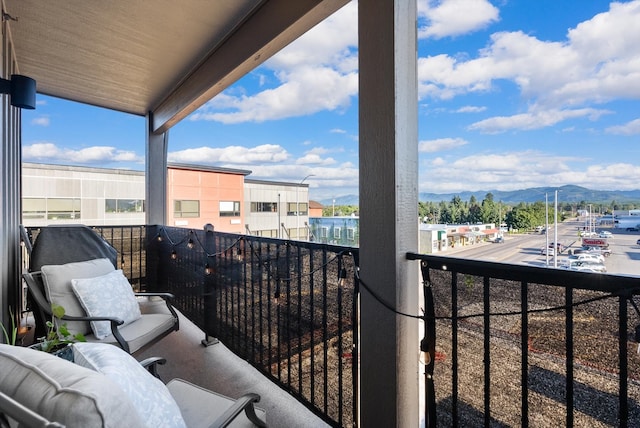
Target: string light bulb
{"points": [[174, 255], [190, 244], [159, 237], [207, 269]]}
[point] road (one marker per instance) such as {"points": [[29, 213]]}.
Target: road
{"points": [[525, 249]]}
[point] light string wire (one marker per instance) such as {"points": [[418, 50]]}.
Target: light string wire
{"points": [[266, 262], [480, 314]]}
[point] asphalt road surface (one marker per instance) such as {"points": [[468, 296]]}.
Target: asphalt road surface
{"points": [[525, 249]]}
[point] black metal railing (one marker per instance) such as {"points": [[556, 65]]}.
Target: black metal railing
{"points": [[129, 241], [511, 345], [287, 307]]}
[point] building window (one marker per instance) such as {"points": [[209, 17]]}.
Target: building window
{"points": [[291, 208], [337, 232], [183, 209], [302, 208], [63, 209], [351, 233], [124, 205], [264, 207], [324, 232], [34, 208], [229, 208]]}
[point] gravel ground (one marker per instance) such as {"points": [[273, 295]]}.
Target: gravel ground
{"points": [[596, 363]]}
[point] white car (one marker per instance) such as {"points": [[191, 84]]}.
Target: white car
{"points": [[598, 258], [584, 266], [605, 234], [547, 250]]}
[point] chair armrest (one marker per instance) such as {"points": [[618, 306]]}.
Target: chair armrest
{"points": [[243, 403], [163, 295], [21, 414], [152, 363], [167, 299]]}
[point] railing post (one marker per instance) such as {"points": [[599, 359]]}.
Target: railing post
{"points": [[210, 292]]}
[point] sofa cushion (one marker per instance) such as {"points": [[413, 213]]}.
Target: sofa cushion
{"points": [[62, 391], [57, 285], [148, 394], [108, 295]]}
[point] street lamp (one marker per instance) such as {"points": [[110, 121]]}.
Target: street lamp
{"points": [[298, 205]]}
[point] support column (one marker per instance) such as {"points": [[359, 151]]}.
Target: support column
{"points": [[10, 191], [156, 175], [389, 352]]}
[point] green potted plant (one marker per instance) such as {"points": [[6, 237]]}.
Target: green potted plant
{"points": [[11, 336], [58, 337]]}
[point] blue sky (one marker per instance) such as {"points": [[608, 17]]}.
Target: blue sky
{"points": [[511, 94]]}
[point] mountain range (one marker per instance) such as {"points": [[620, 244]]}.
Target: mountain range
{"points": [[568, 193]]}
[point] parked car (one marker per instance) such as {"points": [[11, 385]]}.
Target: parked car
{"points": [[597, 250], [638, 242], [590, 250], [584, 266], [605, 234], [547, 250], [599, 258], [498, 240]]}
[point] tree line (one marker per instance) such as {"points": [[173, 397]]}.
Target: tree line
{"points": [[521, 216]]}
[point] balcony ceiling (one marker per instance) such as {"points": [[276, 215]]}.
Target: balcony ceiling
{"points": [[162, 56]]}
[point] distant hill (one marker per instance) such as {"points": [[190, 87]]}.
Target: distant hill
{"points": [[567, 193]]}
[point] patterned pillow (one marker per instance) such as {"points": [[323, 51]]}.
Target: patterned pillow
{"points": [[149, 395], [108, 295]]}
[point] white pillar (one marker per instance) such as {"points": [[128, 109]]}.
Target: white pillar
{"points": [[156, 175], [389, 351]]}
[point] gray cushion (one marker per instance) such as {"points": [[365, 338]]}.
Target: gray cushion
{"points": [[200, 407], [140, 332], [62, 391], [57, 284]]}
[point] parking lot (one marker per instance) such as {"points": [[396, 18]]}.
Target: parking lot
{"points": [[526, 249]]}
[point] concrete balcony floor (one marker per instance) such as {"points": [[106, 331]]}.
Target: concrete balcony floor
{"points": [[216, 368]]}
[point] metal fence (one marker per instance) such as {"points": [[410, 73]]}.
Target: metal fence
{"points": [[509, 345], [287, 307]]}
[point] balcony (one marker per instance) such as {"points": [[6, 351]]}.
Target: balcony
{"points": [[503, 345]]}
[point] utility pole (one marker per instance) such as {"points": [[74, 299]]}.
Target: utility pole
{"points": [[555, 232]]}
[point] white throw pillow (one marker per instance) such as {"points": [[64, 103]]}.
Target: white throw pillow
{"points": [[109, 295], [149, 395], [57, 282]]}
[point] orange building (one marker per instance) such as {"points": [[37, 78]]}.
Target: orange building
{"points": [[197, 195], [315, 209]]}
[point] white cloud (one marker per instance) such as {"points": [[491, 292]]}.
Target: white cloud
{"points": [[338, 131], [267, 153], [41, 121], [629, 128], [440, 144], [471, 109], [524, 169], [96, 155], [454, 17], [597, 62], [533, 120], [315, 73]]}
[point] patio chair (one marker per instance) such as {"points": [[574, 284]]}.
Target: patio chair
{"points": [[73, 267], [106, 387]]}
